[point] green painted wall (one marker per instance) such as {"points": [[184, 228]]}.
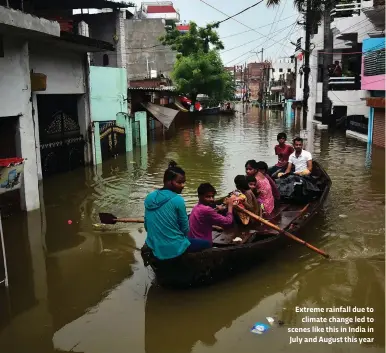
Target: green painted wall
{"points": [[108, 100], [108, 92]]}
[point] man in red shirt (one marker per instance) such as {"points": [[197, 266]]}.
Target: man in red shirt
{"points": [[283, 151]]}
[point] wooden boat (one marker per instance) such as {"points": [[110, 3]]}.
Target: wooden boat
{"points": [[227, 111], [227, 258], [208, 111]]}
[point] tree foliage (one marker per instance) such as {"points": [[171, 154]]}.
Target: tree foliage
{"points": [[199, 69], [203, 73], [195, 40]]}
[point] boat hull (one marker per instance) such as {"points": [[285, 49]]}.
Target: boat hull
{"points": [[208, 111]]}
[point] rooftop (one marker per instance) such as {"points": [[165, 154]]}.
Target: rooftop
{"points": [[152, 89], [79, 4], [160, 9]]}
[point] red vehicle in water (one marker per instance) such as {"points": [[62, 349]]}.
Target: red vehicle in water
{"points": [[186, 102]]}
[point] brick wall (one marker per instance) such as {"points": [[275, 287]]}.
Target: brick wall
{"points": [[379, 127]]}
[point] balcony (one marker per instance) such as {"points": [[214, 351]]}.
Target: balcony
{"points": [[344, 83], [276, 85], [346, 8]]}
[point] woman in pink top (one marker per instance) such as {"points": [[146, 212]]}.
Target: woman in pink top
{"points": [[265, 197]]}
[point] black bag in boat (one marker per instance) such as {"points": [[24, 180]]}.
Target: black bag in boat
{"points": [[298, 189]]}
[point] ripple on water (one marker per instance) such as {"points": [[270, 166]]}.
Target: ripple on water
{"points": [[215, 151]]}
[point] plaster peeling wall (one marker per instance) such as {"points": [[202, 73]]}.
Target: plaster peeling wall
{"points": [[15, 95], [103, 27], [12, 83]]}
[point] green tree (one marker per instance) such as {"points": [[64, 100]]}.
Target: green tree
{"points": [[202, 73], [197, 39]]}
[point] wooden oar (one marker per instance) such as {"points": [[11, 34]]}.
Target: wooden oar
{"points": [[282, 231], [108, 218]]}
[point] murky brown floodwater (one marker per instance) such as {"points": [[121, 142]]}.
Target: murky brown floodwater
{"points": [[83, 288]]}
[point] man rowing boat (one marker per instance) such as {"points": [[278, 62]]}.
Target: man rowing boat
{"points": [[166, 220]]}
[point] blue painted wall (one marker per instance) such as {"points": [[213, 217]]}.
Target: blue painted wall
{"points": [[372, 43]]}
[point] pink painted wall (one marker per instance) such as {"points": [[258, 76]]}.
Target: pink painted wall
{"points": [[372, 83]]}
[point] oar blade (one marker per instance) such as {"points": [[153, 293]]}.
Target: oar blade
{"points": [[107, 218]]}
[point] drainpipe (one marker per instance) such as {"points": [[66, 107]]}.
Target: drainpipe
{"points": [[93, 144], [88, 119]]}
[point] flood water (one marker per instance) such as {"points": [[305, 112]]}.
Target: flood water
{"points": [[82, 287]]}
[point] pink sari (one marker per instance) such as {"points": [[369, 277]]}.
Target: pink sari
{"points": [[265, 195]]}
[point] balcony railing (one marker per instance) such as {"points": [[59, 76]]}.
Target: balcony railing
{"points": [[348, 83], [346, 9]]}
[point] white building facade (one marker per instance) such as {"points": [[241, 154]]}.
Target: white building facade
{"points": [[350, 25], [282, 79]]}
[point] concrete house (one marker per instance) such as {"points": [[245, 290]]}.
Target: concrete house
{"points": [[358, 45], [44, 97]]}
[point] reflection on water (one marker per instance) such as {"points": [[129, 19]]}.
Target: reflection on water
{"points": [[82, 287]]}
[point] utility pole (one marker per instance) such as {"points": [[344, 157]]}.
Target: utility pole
{"points": [[245, 83], [327, 61], [234, 82], [306, 69], [261, 77]]}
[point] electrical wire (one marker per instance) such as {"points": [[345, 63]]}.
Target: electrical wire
{"points": [[365, 21], [288, 36], [249, 30], [231, 35], [252, 54], [236, 14], [254, 40], [243, 24], [247, 52]]}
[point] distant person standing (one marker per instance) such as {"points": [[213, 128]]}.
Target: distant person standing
{"points": [[337, 70], [283, 151]]}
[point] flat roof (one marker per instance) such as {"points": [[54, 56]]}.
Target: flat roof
{"points": [[152, 89], [88, 44], [79, 4]]}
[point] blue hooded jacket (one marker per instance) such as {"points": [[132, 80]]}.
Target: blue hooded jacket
{"points": [[166, 223]]}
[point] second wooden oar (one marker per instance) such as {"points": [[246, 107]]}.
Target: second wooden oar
{"points": [[108, 218], [289, 235]]}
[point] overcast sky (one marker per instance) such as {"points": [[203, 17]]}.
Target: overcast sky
{"points": [[274, 38]]}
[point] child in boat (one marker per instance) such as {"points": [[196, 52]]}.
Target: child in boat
{"points": [[275, 189], [247, 198], [266, 199], [252, 183], [283, 151], [203, 216]]}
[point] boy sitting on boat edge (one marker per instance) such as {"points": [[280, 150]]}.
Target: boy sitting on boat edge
{"points": [[203, 217]]}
